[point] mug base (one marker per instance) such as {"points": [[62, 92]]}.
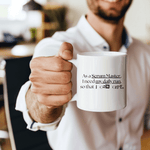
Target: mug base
{"points": [[101, 110]]}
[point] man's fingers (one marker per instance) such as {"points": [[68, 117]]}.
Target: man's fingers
{"points": [[55, 63], [59, 89], [50, 64], [66, 51], [50, 77], [54, 100]]}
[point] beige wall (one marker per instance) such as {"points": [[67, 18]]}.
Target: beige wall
{"points": [[138, 20]]}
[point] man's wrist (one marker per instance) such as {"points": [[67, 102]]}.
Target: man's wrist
{"points": [[39, 112], [48, 115], [34, 126]]}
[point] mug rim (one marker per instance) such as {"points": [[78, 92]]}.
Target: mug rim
{"points": [[98, 54]]}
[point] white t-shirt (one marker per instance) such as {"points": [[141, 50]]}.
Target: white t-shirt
{"points": [[83, 130]]}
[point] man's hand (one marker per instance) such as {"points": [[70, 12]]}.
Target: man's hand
{"points": [[51, 85]]}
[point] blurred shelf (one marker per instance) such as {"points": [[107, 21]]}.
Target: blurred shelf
{"points": [[19, 50], [52, 5], [53, 19]]}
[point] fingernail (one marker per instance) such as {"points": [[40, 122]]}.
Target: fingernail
{"points": [[66, 54], [67, 51]]}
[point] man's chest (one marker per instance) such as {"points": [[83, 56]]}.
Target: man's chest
{"points": [[137, 83]]}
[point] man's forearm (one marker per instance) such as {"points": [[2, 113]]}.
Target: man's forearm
{"points": [[39, 112]]}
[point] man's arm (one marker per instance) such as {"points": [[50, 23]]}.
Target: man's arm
{"points": [[39, 112], [51, 85]]}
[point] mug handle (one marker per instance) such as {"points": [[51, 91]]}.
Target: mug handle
{"points": [[74, 62], [74, 79]]}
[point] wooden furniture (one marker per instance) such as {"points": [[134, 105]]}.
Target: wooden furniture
{"points": [[19, 50], [145, 140], [4, 136], [53, 19]]}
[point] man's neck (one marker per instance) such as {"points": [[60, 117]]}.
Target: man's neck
{"points": [[111, 32]]}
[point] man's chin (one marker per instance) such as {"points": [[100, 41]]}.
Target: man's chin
{"points": [[112, 1]]}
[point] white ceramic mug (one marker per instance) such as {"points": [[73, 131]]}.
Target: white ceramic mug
{"points": [[101, 81]]}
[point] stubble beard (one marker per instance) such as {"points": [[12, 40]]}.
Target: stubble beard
{"points": [[100, 12]]}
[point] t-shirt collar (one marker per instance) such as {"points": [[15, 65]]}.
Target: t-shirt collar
{"points": [[94, 38]]}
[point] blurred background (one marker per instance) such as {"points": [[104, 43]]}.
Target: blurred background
{"points": [[18, 24], [23, 23]]}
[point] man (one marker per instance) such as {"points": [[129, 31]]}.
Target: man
{"points": [[48, 93]]}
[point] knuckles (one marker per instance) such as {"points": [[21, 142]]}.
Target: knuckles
{"points": [[66, 88], [58, 64], [62, 78], [52, 64], [63, 88], [42, 99], [33, 76], [67, 98], [35, 88], [66, 77], [34, 63], [49, 100], [58, 89]]}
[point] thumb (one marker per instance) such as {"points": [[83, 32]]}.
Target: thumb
{"points": [[66, 51]]}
